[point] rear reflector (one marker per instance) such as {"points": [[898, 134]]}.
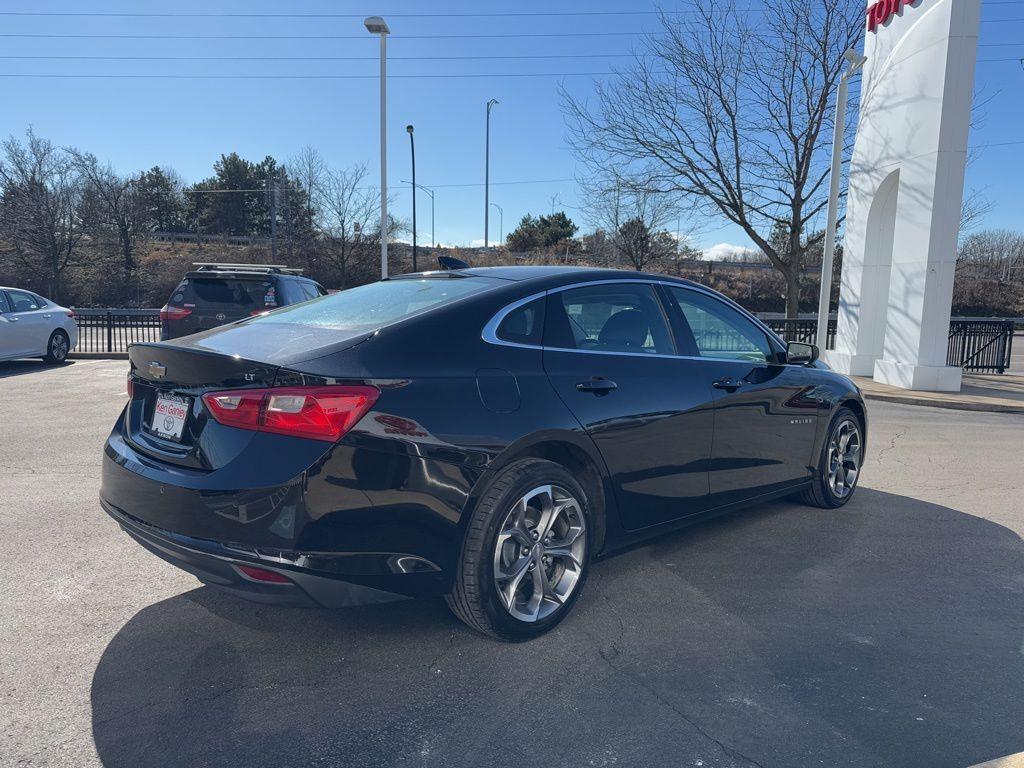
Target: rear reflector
{"points": [[167, 312], [131, 387], [318, 413], [262, 574]]}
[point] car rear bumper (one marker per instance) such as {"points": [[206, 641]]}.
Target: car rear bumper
{"points": [[217, 564]]}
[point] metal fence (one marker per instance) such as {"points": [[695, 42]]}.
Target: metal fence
{"points": [[975, 344], [983, 346], [112, 330], [803, 329]]}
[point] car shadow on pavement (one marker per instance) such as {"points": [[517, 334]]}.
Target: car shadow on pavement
{"points": [[20, 367], [886, 633]]}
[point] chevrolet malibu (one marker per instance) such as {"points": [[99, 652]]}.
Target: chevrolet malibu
{"points": [[482, 434]]}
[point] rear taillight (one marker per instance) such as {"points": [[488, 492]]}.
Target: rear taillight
{"points": [[319, 413], [130, 387], [69, 313], [167, 312]]}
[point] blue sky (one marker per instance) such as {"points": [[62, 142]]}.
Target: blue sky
{"points": [[187, 123]]}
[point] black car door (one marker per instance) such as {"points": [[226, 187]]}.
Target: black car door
{"points": [[610, 355], [766, 415]]}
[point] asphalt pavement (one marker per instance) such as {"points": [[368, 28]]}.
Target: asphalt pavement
{"points": [[885, 634]]}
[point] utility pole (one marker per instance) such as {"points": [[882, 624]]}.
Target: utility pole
{"points": [[375, 25], [412, 146], [487, 169]]}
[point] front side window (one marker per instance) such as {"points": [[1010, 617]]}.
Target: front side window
{"points": [[376, 304], [22, 301], [4, 306], [615, 317], [720, 331]]}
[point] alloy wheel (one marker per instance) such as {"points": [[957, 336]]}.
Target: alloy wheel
{"points": [[539, 553], [844, 451], [58, 347]]}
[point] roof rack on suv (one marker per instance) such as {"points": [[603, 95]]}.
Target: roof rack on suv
{"points": [[216, 266]]}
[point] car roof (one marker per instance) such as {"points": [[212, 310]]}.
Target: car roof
{"points": [[556, 275]]}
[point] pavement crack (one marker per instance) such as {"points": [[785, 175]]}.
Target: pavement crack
{"points": [[892, 443]]}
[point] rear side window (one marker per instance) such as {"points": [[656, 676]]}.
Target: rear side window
{"points": [[227, 292], [524, 325], [371, 306], [614, 317]]}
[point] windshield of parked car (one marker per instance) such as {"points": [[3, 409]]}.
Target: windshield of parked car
{"points": [[381, 303]]}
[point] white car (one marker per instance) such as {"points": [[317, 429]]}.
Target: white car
{"points": [[31, 326]]}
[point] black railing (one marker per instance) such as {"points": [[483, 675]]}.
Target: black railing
{"points": [[983, 346], [975, 344], [803, 329], [109, 331]]}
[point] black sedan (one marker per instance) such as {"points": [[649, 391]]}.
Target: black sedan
{"points": [[481, 434]]}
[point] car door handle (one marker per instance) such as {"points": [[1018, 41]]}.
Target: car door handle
{"points": [[597, 385], [728, 384], [13, 319], [47, 316]]}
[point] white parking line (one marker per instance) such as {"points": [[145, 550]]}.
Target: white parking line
{"points": [[1010, 761]]}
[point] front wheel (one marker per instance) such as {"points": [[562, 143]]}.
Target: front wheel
{"points": [[839, 465], [526, 553], [57, 348]]}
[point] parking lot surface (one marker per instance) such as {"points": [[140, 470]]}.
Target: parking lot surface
{"points": [[887, 633]]}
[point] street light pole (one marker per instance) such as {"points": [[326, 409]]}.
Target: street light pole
{"points": [[375, 25], [429, 191], [487, 168], [854, 61], [412, 146], [501, 223]]}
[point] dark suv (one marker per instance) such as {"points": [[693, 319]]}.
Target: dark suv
{"points": [[215, 294]]}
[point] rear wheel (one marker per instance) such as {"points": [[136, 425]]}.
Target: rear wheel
{"points": [[839, 464], [57, 347], [526, 553]]}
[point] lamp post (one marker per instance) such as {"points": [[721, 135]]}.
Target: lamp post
{"points": [[375, 25], [854, 61], [487, 168], [412, 147], [429, 191], [501, 223]]}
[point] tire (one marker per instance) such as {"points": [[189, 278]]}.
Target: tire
{"points": [[823, 492], [57, 348], [498, 575]]}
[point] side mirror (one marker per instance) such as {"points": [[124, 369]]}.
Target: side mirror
{"points": [[798, 353]]}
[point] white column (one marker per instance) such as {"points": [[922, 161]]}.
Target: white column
{"points": [[905, 191]]}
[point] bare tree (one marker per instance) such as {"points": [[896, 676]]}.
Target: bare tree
{"points": [[40, 209], [994, 254], [973, 210], [350, 219], [633, 214], [734, 112], [115, 209]]}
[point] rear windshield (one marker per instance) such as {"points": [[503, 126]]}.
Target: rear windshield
{"points": [[248, 294], [371, 306]]}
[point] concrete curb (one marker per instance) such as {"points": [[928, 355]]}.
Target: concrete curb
{"points": [[953, 405], [98, 356]]}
